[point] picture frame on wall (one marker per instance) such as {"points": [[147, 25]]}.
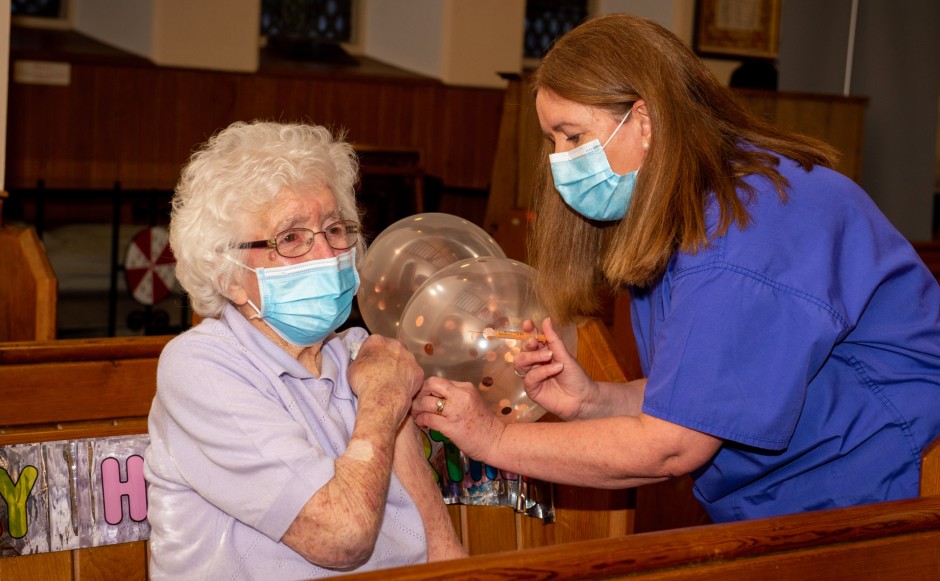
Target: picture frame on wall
{"points": [[737, 28]]}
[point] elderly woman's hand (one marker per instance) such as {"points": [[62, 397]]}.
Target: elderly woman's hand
{"points": [[552, 376], [384, 368]]}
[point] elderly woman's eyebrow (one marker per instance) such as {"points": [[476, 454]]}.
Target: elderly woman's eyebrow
{"points": [[334, 216]]}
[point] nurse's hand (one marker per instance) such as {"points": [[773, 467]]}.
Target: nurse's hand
{"points": [[455, 409], [552, 376]]}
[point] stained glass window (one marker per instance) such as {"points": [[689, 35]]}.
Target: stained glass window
{"points": [[37, 8], [546, 20], [315, 20]]}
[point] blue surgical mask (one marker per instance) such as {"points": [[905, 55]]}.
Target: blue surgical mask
{"points": [[585, 180], [305, 302]]}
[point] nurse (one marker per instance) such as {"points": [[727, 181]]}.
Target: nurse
{"points": [[789, 335]]}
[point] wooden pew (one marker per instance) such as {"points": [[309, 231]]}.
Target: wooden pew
{"points": [[76, 388], [72, 389], [885, 540], [890, 540], [27, 287]]}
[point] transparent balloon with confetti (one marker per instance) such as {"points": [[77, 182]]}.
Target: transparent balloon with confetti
{"points": [[464, 323], [404, 255]]}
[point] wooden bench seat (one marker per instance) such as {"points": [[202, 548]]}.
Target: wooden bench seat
{"points": [[890, 540]]}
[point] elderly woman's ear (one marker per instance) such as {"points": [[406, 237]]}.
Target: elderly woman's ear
{"points": [[237, 294]]}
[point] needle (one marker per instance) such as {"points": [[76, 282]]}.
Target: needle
{"points": [[489, 333]]}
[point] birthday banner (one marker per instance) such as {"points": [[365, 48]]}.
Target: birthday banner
{"points": [[72, 494], [467, 481]]}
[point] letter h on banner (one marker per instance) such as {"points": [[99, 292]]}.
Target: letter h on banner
{"points": [[114, 488]]}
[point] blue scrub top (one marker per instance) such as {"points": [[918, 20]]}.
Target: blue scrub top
{"points": [[809, 342]]}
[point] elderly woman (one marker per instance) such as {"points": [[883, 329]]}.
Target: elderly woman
{"points": [[276, 450]]}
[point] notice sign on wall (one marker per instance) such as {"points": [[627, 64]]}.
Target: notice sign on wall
{"points": [[72, 494]]}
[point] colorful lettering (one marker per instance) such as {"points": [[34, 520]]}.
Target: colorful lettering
{"points": [[451, 456], [426, 441], [16, 495], [114, 488]]}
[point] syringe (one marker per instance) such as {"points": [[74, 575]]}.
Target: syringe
{"points": [[490, 333]]}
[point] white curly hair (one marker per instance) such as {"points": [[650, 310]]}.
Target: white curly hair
{"points": [[237, 174]]}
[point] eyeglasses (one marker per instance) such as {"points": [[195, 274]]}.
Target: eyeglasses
{"points": [[296, 242]]}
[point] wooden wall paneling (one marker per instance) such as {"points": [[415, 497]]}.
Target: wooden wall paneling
{"points": [[133, 116], [531, 140], [54, 147], [97, 143], [395, 114], [207, 105], [138, 124], [254, 96], [370, 110], [466, 135], [162, 153], [837, 120], [587, 514], [71, 149], [29, 133], [504, 221]]}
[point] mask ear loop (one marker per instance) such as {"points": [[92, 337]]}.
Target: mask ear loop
{"points": [[257, 310], [251, 304], [622, 121]]}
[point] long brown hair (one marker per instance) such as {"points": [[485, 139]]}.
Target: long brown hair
{"points": [[703, 143]]}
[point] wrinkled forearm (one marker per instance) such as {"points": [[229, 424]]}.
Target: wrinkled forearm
{"points": [[416, 476], [338, 527]]}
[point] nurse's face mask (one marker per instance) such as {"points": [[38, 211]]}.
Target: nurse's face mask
{"points": [[587, 183]]}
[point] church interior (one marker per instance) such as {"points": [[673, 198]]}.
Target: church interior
{"points": [[104, 101]]}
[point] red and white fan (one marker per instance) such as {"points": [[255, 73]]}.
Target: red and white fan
{"points": [[148, 266]]}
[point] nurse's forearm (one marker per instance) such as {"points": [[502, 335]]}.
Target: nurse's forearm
{"points": [[616, 452]]}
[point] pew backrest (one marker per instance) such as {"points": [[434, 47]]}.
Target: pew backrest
{"points": [[69, 390], [889, 540], [76, 388], [28, 287]]}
